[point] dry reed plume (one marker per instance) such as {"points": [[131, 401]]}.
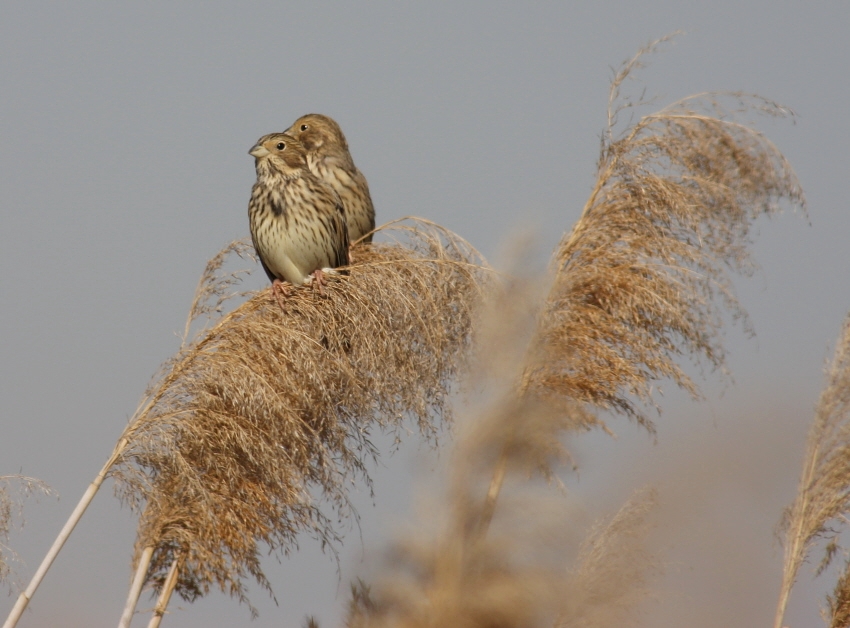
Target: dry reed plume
{"points": [[512, 573], [613, 569], [822, 504], [264, 419], [838, 604], [14, 490], [642, 279]]}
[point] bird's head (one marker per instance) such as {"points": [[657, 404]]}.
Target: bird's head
{"points": [[318, 133], [281, 153]]}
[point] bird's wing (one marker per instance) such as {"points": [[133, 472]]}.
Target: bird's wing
{"points": [[332, 214], [341, 236], [269, 273]]}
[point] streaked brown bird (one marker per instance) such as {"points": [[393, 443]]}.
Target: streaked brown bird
{"points": [[297, 222], [328, 158]]}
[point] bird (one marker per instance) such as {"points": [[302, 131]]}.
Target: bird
{"points": [[296, 220], [328, 158]]}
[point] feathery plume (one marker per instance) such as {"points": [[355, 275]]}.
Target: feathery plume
{"points": [[14, 489], [823, 495], [643, 277], [264, 419]]}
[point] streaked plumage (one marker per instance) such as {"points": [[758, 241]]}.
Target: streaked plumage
{"points": [[328, 158], [297, 223]]}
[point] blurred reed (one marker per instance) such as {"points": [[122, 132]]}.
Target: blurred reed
{"points": [[822, 504], [511, 573]]}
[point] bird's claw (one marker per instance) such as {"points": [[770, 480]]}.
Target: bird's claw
{"points": [[319, 280], [279, 292]]}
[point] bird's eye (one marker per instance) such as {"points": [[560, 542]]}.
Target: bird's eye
{"points": [[304, 127], [280, 146]]}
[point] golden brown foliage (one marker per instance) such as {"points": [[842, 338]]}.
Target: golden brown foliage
{"points": [[642, 278], [265, 418], [823, 495]]}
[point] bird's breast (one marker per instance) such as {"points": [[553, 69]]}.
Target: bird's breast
{"points": [[294, 241]]}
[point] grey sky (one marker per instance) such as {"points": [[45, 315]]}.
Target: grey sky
{"points": [[124, 133]]}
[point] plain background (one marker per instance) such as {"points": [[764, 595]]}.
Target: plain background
{"points": [[123, 168]]}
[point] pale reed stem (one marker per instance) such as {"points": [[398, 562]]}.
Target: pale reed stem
{"points": [[136, 587], [25, 597], [165, 594], [489, 506]]}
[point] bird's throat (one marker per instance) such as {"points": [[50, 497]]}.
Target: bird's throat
{"points": [[269, 175]]}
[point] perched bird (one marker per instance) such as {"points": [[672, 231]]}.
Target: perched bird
{"points": [[297, 223], [328, 158]]}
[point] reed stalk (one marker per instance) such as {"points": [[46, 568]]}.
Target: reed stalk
{"points": [[165, 593], [136, 588], [822, 504], [25, 597]]}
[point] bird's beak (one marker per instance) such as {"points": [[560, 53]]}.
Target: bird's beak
{"points": [[258, 151]]}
